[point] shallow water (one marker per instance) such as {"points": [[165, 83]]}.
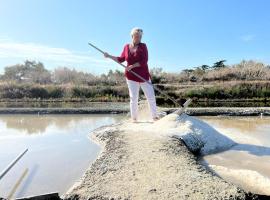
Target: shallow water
{"points": [[59, 151], [246, 164]]}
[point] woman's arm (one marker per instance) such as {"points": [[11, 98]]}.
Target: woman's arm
{"points": [[120, 58], [106, 55]]}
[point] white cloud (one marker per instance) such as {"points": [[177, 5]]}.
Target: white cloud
{"points": [[4, 38], [54, 56], [247, 38], [9, 49]]}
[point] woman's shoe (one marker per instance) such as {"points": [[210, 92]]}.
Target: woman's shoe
{"points": [[134, 120], [155, 119]]}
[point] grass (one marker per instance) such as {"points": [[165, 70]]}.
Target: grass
{"points": [[201, 94]]}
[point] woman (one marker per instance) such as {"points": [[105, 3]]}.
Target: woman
{"points": [[136, 56]]}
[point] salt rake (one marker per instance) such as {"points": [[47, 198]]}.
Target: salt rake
{"points": [[178, 111]]}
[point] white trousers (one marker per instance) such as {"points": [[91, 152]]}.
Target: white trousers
{"points": [[148, 91]]}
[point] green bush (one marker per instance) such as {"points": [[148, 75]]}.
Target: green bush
{"points": [[38, 92], [55, 92], [243, 90], [95, 91], [82, 92], [13, 91]]}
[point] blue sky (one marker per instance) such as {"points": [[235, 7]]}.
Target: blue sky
{"points": [[179, 33]]}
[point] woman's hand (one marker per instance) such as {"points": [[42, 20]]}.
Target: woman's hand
{"points": [[130, 67], [106, 55]]}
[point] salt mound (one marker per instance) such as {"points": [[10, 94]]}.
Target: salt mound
{"points": [[198, 135]]}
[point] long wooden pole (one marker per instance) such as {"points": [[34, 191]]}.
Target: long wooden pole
{"points": [[3, 173]]}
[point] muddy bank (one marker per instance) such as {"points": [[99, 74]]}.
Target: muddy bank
{"points": [[76, 108], [110, 108], [231, 111], [136, 164], [88, 110]]}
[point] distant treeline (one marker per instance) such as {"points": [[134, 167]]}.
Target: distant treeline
{"points": [[35, 72], [244, 71], [248, 79], [32, 72]]}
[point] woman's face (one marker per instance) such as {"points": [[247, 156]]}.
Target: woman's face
{"points": [[136, 38]]}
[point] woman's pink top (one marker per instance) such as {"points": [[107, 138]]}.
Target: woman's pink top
{"points": [[141, 56]]}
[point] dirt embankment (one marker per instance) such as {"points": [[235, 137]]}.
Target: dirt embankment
{"points": [[136, 164]]}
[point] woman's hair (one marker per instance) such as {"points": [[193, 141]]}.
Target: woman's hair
{"points": [[136, 30]]}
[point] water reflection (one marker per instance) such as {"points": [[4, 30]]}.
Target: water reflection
{"points": [[59, 150], [37, 124], [247, 163], [244, 124]]}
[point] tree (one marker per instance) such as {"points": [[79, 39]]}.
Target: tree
{"points": [[157, 75], [62, 75], [219, 64], [205, 67], [115, 77], [38, 73], [30, 71], [188, 71]]}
